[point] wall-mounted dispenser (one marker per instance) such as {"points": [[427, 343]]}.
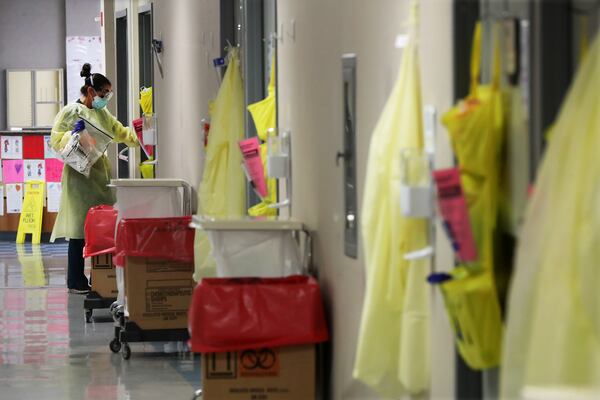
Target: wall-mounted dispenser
{"points": [[416, 190], [279, 164], [278, 161]]}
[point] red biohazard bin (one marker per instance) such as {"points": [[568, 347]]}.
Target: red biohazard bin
{"points": [[158, 238], [250, 313], [99, 231], [157, 256]]}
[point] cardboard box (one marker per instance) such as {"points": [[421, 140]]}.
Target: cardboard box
{"points": [[286, 373], [158, 293], [104, 276]]}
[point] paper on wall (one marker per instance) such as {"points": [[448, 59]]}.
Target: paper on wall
{"points": [[54, 170], [11, 147], [81, 50], [54, 190], [1, 199], [12, 171], [48, 152], [34, 170], [14, 198]]}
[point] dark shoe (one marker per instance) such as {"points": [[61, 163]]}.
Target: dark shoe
{"points": [[83, 290]]}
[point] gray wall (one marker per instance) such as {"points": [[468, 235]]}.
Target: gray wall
{"points": [[80, 15], [32, 35]]}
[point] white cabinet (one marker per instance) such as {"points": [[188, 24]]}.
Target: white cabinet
{"points": [[34, 97]]}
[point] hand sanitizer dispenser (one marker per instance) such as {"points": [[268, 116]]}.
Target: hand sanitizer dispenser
{"points": [[416, 191], [278, 161]]}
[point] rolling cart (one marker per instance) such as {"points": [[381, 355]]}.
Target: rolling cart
{"points": [[148, 199], [93, 301]]}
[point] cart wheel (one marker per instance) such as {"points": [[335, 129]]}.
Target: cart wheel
{"points": [[88, 316], [126, 353], [115, 345]]}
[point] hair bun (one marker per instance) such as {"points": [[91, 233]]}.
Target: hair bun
{"points": [[86, 70]]}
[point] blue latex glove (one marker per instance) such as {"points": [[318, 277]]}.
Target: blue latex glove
{"points": [[78, 127]]}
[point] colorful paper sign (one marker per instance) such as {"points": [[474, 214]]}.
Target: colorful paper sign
{"points": [[48, 151], [54, 169], [454, 211], [1, 199], [54, 192], [14, 198], [12, 171], [11, 147], [34, 170], [33, 147]]}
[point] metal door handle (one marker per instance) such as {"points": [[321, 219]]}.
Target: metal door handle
{"points": [[341, 154]]}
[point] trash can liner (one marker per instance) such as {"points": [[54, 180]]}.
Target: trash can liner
{"points": [[160, 238], [99, 230], [246, 313]]}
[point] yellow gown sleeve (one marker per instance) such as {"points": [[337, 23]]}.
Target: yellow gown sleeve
{"points": [[63, 125], [122, 134]]}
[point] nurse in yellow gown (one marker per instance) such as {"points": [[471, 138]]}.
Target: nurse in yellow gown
{"points": [[79, 192]]}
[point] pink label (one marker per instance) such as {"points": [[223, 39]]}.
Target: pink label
{"points": [[251, 153], [453, 207]]}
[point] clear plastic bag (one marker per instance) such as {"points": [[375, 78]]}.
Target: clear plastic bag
{"points": [[85, 148]]}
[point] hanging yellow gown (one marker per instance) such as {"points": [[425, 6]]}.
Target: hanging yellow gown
{"points": [[393, 346], [476, 126], [222, 192], [552, 342], [264, 114]]}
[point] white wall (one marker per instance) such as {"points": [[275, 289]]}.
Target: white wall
{"points": [[310, 103], [190, 33]]}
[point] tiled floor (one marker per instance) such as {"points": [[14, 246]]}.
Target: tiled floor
{"points": [[47, 351]]}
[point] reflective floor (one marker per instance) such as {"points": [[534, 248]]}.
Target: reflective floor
{"points": [[47, 351]]}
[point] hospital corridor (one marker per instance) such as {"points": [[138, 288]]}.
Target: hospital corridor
{"points": [[299, 199]]}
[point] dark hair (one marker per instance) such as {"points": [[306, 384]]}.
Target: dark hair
{"points": [[96, 81]]}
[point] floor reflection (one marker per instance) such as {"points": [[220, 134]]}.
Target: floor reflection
{"points": [[47, 351], [28, 265], [34, 326]]}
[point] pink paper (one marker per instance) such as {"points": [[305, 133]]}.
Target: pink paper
{"points": [[54, 168], [453, 207], [12, 171], [251, 152]]}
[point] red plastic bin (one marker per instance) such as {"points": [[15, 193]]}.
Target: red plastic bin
{"points": [[247, 313], [99, 231], [160, 238]]}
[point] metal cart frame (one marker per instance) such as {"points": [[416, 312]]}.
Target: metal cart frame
{"points": [[93, 301], [129, 332]]}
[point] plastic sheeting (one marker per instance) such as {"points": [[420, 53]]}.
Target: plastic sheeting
{"points": [[258, 253], [161, 238], [552, 346], [99, 230], [393, 346], [239, 314]]}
